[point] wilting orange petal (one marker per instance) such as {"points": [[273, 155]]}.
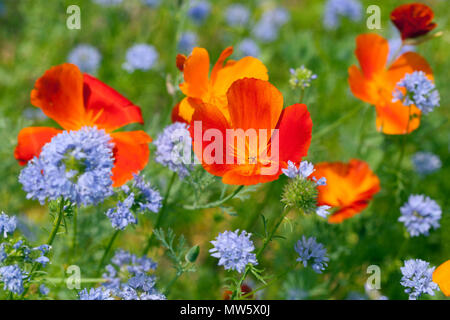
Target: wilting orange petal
{"points": [[131, 154], [196, 74], [180, 60], [59, 93], [441, 276], [392, 118], [372, 53], [295, 129], [407, 63], [350, 187], [30, 142], [413, 20], [107, 108]]}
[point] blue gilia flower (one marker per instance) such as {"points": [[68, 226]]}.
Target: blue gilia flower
{"points": [[301, 77], [108, 2], [44, 290], [148, 198], [140, 57], [419, 91], [248, 47], [3, 254], [7, 224], [199, 10], [394, 46], [12, 277], [237, 15], [75, 165], [417, 278], [86, 57], [187, 42], [173, 149], [95, 294], [304, 170], [152, 3], [121, 216], [309, 249], [335, 9], [267, 28], [234, 250], [322, 211], [420, 214], [426, 162]]}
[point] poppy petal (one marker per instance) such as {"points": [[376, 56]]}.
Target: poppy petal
{"points": [[407, 63], [183, 111], [393, 117], [196, 73], [131, 154], [107, 108], [361, 87], [220, 62], [30, 141], [249, 174], [59, 93], [413, 20], [441, 276], [372, 53], [180, 60]]}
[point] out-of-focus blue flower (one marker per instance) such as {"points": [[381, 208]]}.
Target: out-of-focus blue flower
{"points": [[237, 15], [95, 294], [44, 290], [322, 211], [148, 199], [394, 46], [304, 170], [121, 216], [248, 47], [420, 214], [187, 42], [301, 77], [3, 254], [12, 278], [335, 9], [417, 278], [309, 249], [426, 162], [199, 10], [108, 2], [86, 57], [173, 149], [141, 56], [42, 260], [234, 250], [35, 114], [420, 91], [75, 165], [152, 3], [7, 224], [267, 28]]}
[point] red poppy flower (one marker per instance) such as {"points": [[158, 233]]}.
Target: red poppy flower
{"points": [[245, 289], [75, 100], [441, 276], [413, 20], [254, 106], [375, 82], [350, 187], [212, 89]]}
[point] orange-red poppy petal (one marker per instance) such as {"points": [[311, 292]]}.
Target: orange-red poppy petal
{"points": [[248, 174], [361, 87], [196, 74], [413, 20], [176, 116], [30, 142], [107, 108], [372, 53], [441, 276], [131, 154], [347, 212], [220, 62], [393, 117], [59, 93], [407, 63], [179, 61]]}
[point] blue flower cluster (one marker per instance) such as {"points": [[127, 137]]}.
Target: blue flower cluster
{"points": [[173, 149], [419, 91], [248, 47], [7, 224], [86, 57], [267, 28], [141, 56], [199, 10], [12, 278], [187, 42], [147, 197], [420, 214], [234, 250], [426, 162], [121, 216], [417, 278], [95, 294], [75, 165], [152, 3], [108, 2], [309, 249], [335, 9], [237, 15]]}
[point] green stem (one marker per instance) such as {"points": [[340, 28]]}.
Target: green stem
{"points": [[74, 235], [159, 220], [335, 124], [255, 215], [108, 249], [281, 275], [214, 204], [402, 147], [169, 286]]}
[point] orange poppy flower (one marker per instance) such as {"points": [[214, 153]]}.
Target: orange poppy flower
{"points": [[441, 276], [375, 82], [275, 136], [413, 20], [350, 187], [75, 100], [197, 83]]}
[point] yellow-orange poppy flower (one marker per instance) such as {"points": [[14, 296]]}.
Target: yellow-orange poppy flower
{"points": [[441, 276]]}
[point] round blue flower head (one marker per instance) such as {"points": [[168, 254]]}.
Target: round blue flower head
{"points": [[417, 278], [335, 9], [237, 15], [86, 57], [148, 198], [121, 216], [248, 47], [187, 42], [199, 11], [309, 249], [7, 224], [75, 165], [140, 57], [95, 294], [420, 214], [12, 277], [419, 91], [426, 162], [267, 28], [173, 149], [234, 250]]}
